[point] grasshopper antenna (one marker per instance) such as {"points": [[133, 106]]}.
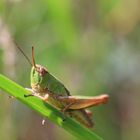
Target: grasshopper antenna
{"points": [[23, 53], [33, 58]]}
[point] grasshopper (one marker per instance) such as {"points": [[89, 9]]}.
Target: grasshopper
{"points": [[47, 87]]}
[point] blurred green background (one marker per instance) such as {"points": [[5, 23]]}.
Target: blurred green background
{"points": [[93, 47]]}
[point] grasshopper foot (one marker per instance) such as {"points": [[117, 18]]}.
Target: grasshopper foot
{"points": [[64, 114], [64, 119], [28, 95]]}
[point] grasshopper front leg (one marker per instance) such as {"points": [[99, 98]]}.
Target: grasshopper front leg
{"points": [[44, 98], [67, 107]]}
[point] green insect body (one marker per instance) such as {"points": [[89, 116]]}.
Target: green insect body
{"points": [[51, 90], [43, 82]]}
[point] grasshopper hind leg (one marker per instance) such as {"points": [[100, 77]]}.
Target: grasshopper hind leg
{"points": [[65, 110]]}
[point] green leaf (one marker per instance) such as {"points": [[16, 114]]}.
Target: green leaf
{"points": [[47, 110]]}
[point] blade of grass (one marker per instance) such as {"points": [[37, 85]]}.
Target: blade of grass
{"points": [[47, 110]]}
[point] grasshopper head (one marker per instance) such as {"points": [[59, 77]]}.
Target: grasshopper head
{"points": [[38, 74]]}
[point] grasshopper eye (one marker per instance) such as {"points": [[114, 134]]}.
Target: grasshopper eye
{"points": [[42, 71]]}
